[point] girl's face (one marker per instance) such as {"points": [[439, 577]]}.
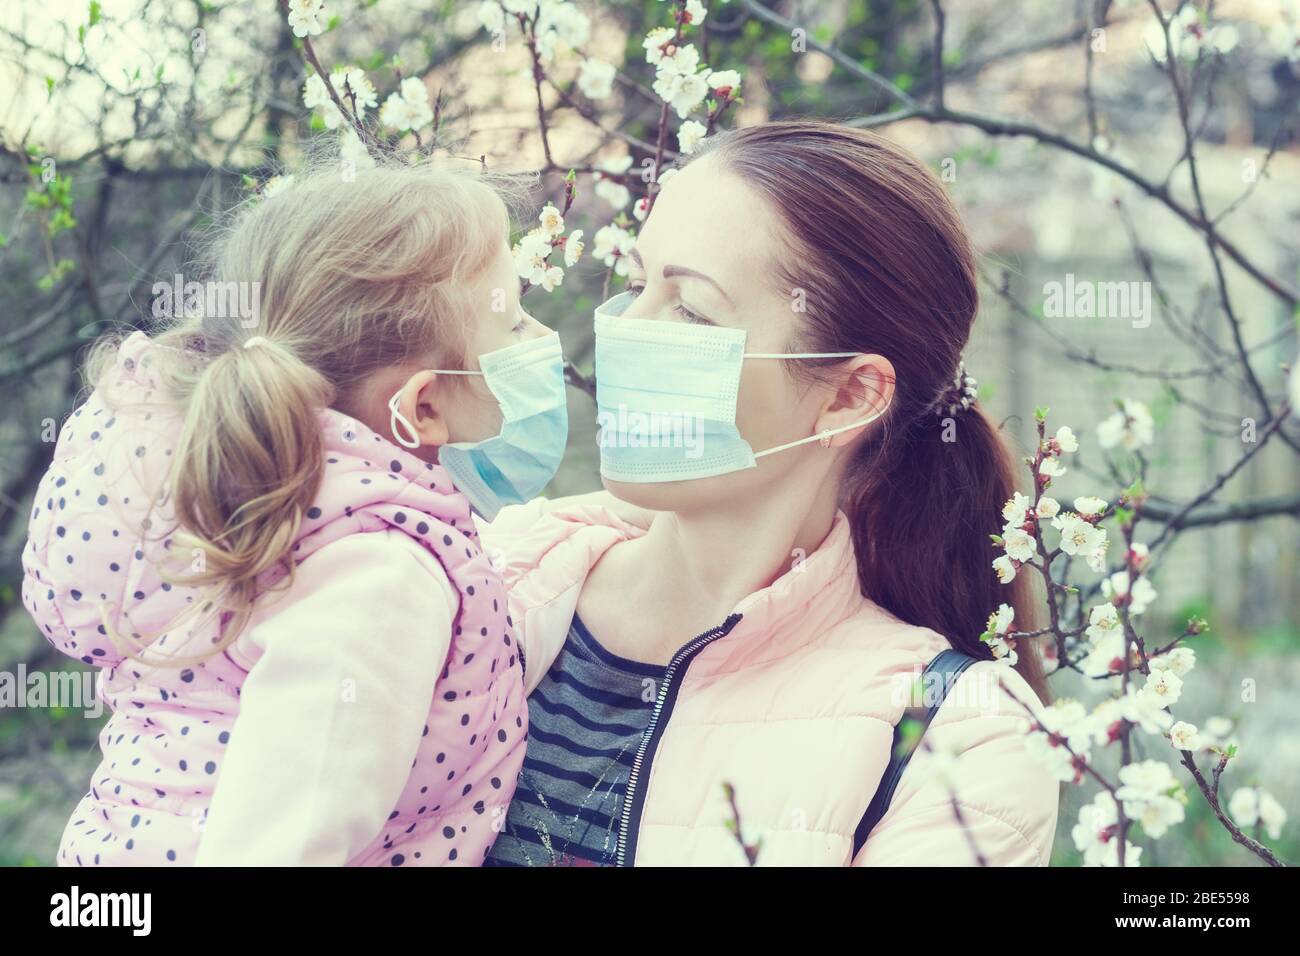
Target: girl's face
{"points": [[706, 255], [496, 319], [458, 408]]}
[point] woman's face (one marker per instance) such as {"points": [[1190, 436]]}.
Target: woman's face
{"points": [[707, 254]]}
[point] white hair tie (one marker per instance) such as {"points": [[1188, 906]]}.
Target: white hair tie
{"points": [[256, 340]]}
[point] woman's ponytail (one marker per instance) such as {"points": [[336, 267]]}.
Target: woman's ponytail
{"points": [[246, 469], [922, 505]]}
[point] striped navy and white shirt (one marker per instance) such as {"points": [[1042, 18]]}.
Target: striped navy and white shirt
{"points": [[586, 718]]}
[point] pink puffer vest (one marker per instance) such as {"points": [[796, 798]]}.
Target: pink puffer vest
{"points": [[94, 546]]}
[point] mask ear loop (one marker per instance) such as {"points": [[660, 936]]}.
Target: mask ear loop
{"points": [[395, 414], [824, 437]]}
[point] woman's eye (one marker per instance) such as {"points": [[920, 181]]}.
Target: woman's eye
{"points": [[635, 290], [690, 316]]}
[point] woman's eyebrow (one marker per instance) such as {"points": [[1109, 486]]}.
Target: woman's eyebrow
{"points": [[671, 271]]}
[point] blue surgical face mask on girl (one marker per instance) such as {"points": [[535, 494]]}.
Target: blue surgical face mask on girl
{"points": [[666, 398], [527, 379]]}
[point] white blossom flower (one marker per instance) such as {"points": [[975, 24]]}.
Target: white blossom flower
{"points": [[304, 17], [551, 278], [1097, 559], [408, 108], [1103, 619], [695, 12], [728, 80], [351, 84], [1005, 568], [596, 79], [1051, 467], [1096, 834], [689, 135], [641, 209], [684, 92], [1089, 506], [1000, 620], [551, 220], [1157, 815], [1184, 736], [684, 59], [526, 7], [1163, 688], [613, 192], [1144, 711], [1190, 35], [1066, 439], [565, 21], [611, 245], [1003, 650], [654, 44], [316, 97], [1116, 589], [1079, 537], [530, 254], [1138, 555], [1179, 661], [1018, 544], [1132, 427], [1105, 653], [1067, 735], [1047, 507], [1249, 806], [1145, 780], [1014, 511], [573, 248]]}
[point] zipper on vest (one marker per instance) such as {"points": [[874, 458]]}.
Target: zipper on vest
{"points": [[634, 801]]}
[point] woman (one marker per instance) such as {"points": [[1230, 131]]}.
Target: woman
{"points": [[816, 532]]}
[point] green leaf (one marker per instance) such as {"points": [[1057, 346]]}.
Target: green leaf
{"points": [[95, 11]]}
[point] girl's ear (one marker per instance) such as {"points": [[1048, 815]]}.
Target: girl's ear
{"points": [[418, 403], [866, 390]]}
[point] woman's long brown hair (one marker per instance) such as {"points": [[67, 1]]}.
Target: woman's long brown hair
{"points": [[886, 267]]}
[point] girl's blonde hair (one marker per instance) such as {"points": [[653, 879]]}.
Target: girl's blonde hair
{"points": [[353, 276]]}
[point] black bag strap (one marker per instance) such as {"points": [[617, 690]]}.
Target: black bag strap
{"points": [[946, 667]]}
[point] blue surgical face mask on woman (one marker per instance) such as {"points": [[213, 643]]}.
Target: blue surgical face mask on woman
{"points": [[513, 466], [666, 398]]}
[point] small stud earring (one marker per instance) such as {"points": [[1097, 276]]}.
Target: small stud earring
{"points": [[826, 439]]}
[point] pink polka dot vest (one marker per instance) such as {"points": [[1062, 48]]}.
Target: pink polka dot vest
{"points": [[101, 528]]}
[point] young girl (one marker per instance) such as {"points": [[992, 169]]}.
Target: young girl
{"points": [[258, 528]]}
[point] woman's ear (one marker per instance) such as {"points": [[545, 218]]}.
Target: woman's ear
{"points": [[865, 391], [418, 402]]}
